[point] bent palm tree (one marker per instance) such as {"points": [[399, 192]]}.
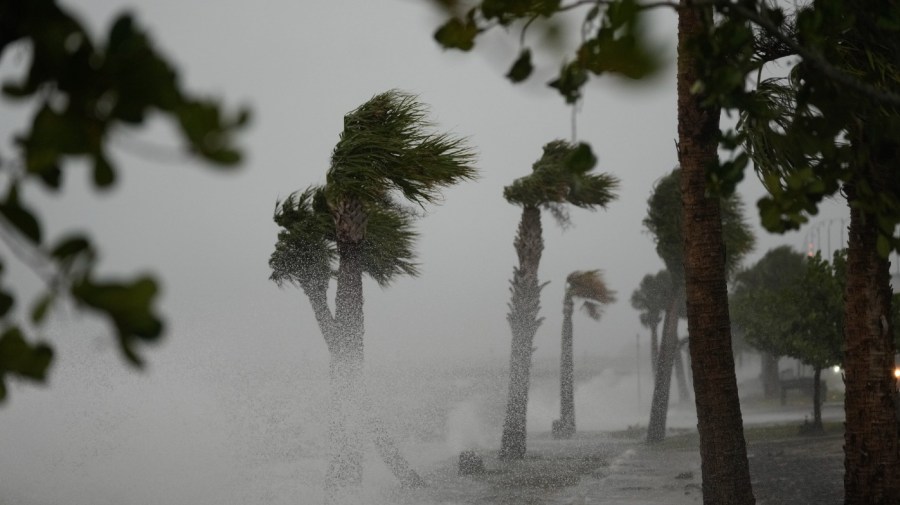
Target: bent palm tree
{"points": [[664, 221], [650, 299], [561, 176], [353, 225], [588, 286]]}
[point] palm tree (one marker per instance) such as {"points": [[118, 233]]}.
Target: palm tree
{"points": [[587, 285], [561, 176], [723, 450], [650, 299], [664, 221], [353, 225]]}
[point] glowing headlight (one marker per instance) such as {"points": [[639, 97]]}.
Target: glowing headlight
{"points": [[897, 373]]}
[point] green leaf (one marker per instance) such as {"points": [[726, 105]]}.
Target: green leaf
{"points": [[70, 246], [20, 218], [581, 159], [883, 246], [104, 176], [6, 303], [128, 306], [522, 67], [19, 357], [456, 34], [571, 78], [41, 307]]}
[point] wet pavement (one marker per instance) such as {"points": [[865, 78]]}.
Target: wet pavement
{"points": [[602, 468]]}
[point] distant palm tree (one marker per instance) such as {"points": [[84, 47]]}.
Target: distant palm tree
{"points": [[561, 176], [354, 225], [664, 221], [589, 286], [651, 299]]}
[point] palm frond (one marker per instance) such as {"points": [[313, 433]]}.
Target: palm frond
{"points": [[386, 144], [592, 309], [388, 248], [306, 254], [652, 297], [304, 251], [590, 285], [663, 220], [555, 181]]}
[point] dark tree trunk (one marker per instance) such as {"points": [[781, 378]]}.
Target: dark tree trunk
{"points": [[565, 426], [871, 453], [684, 394], [654, 347], [523, 321], [726, 472], [817, 401], [662, 380], [769, 375]]}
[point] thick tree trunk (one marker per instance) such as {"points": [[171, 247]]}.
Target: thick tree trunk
{"points": [[523, 321], [662, 380], [871, 453], [654, 347], [769, 375], [726, 472], [344, 475], [565, 426]]}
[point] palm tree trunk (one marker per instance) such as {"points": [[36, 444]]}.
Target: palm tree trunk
{"points": [[871, 456], [724, 465], [523, 321], [566, 424], [662, 381], [344, 473], [684, 394], [654, 347]]}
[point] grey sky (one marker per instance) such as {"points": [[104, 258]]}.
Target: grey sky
{"points": [[301, 66], [208, 236]]}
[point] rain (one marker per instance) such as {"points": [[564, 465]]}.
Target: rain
{"points": [[244, 399]]}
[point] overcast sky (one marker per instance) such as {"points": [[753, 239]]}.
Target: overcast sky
{"points": [[301, 66], [238, 350]]}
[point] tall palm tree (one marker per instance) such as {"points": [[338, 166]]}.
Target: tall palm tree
{"points": [[588, 286], [723, 449], [561, 176], [354, 225], [664, 221], [650, 299]]}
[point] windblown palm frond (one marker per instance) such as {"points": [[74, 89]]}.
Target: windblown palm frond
{"points": [[663, 220], [388, 248], [590, 286], [305, 249], [386, 145], [652, 297], [555, 180], [306, 253]]}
